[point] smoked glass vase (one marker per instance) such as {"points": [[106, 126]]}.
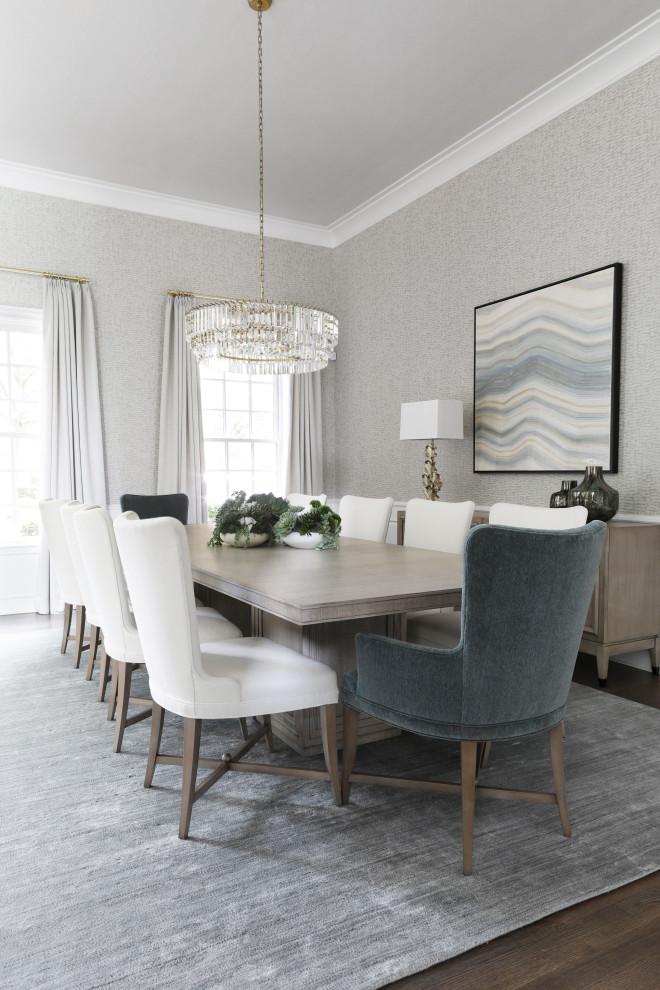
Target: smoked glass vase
{"points": [[600, 499]]}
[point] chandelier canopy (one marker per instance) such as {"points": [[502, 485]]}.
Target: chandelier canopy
{"points": [[261, 337]]}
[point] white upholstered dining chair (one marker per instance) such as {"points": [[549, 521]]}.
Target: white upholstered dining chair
{"points": [[437, 525], [68, 512], [537, 516], [53, 527], [441, 628], [231, 679], [121, 642], [365, 518]]}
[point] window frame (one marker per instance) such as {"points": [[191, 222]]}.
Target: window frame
{"points": [[276, 440], [21, 319]]}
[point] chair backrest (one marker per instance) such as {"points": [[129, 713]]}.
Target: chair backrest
{"points": [[365, 518], [525, 599], [107, 582], [537, 516], [154, 506], [154, 554], [297, 498], [82, 561], [58, 545], [437, 525]]}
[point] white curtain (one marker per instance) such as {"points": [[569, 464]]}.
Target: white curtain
{"points": [[72, 463], [181, 446], [305, 468]]}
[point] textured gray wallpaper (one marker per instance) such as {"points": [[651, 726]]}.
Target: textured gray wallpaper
{"points": [[132, 259], [578, 193], [581, 192]]}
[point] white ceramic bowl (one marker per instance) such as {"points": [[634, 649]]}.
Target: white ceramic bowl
{"points": [[308, 542], [255, 540]]}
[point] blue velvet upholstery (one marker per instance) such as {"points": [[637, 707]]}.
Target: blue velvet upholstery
{"points": [[155, 506], [525, 599]]}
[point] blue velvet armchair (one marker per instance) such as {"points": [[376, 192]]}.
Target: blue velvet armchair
{"points": [[525, 599]]}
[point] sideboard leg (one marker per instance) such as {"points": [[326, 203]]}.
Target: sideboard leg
{"points": [[655, 657], [603, 660]]}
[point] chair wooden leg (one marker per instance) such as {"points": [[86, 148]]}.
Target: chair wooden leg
{"points": [[244, 729], [350, 737], [268, 725], [104, 672], [157, 717], [80, 634], [468, 782], [68, 615], [123, 694], [94, 636], [485, 755], [480, 755], [114, 687], [192, 729], [329, 737], [557, 755]]}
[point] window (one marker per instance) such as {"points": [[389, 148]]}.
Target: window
{"points": [[240, 420], [20, 423]]}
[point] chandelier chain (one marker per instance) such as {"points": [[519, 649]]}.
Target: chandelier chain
{"points": [[261, 164], [247, 336]]}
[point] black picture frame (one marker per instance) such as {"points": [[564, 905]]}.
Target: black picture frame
{"points": [[547, 377]]}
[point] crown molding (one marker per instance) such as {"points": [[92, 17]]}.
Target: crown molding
{"points": [[30, 178], [630, 50]]}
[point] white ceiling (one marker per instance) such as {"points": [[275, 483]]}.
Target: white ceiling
{"points": [[161, 95]]}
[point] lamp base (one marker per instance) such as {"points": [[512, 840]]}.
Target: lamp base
{"points": [[431, 480]]}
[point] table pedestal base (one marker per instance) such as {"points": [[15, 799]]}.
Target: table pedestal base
{"points": [[333, 643]]}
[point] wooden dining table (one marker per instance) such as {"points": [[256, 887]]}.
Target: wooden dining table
{"points": [[316, 601]]}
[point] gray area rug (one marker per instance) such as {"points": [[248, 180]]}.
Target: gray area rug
{"points": [[277, 887]]}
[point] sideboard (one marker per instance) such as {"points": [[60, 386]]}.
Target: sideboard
{"points": [[624, 614]]}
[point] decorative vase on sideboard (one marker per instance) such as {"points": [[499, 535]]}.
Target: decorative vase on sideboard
{"points": [[599, 498], [559, 500]]}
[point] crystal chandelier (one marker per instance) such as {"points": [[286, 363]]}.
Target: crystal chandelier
{"points": [[261, 337]]}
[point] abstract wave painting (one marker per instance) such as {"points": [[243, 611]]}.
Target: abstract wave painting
{"points": [[546, 376]]}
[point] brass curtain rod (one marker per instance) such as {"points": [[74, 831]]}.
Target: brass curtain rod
{"points": [[28, 271], [198, 295]]}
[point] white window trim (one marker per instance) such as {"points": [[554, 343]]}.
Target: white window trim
{"points": [[29, 319], [281, 432]]}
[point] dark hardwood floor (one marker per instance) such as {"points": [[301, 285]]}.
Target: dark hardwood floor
{"points": [[610, 942]]}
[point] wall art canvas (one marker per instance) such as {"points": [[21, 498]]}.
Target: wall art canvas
{"points": [[546, 376]]}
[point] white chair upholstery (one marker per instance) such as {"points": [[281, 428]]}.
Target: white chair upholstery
{"points": [[537, 516], [437, 525], [89, 613], [121, 642], [442, 627], [298, 498], [365, 518], [232, 679], [53, 528]]}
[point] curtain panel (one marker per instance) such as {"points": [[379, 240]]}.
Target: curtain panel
{"points": [[72, 464], [181, 443], [305, 467]]}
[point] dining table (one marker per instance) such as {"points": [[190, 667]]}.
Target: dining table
{"points": [[317, 601]]}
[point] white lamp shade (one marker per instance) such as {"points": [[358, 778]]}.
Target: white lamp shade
{"points": [[437, 419]]}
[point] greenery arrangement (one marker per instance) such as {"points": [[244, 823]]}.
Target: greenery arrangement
{"points": [[317, 519], [246, 517]]}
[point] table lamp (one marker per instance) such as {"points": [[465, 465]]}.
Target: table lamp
{"points": [[437, 419]]}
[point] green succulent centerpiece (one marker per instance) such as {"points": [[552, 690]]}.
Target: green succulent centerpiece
{"points": [[318, 520], [245, 522]]}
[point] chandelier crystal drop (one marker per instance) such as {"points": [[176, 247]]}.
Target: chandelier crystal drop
{"points": [[261, 337]]}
